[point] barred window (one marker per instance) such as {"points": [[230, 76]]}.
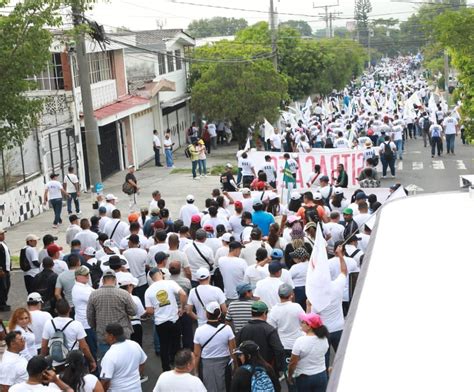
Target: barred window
{"points": [[52, 77], [161, 64], [170, 61], [100, 67], [177, 53]]}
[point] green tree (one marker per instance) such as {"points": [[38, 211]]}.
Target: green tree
{"points": [[301, 26], [24, 52], [245, 89], [361, 14], [216, 27]]}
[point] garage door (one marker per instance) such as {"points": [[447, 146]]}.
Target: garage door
{"points": [[143, 126]]}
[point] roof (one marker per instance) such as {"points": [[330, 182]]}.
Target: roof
{"points": [[163, 33], [120, 108]]}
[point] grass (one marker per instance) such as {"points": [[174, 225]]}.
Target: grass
{"points": [[15, 260], [181, 171], [216, 170]]}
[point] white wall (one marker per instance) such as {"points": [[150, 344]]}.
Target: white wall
{"points": [[143, 126]]}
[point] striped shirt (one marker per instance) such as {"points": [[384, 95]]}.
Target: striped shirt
{"points": [[239, 312]]}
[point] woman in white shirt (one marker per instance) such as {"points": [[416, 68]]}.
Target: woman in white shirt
{"points": [[298, 274], [20, 320], [128, 282], [77, 376], [213, 344], [307, 364]]}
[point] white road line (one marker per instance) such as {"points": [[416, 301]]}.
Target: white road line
{"points": [[417, 165], [438, 165], [400, 165], [460, 165]]}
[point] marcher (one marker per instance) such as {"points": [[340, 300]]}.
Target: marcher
{"points": [[54, 193], [5, 268], [13, 365], [73, 190], [29, 262], [131, 187], [38, 317], [168, 146], [388, 149], [156, 148]]}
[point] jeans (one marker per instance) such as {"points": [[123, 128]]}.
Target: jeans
{"points": [[334, 339], [157, 157], [91, 340], [314, 383], [426, 138], [399, 144], [194, 167], [300, 296], [450, 143], [239, 175], [186, 323], [156, 342], [388, 162], [73, 197], [214, 142], [169, 157], [57, 205], [169, 335], [202, 167], [102, 348], [436, 143]]}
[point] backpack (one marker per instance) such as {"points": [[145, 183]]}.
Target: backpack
{"points": [[24, 262], [426, 125], [311, 214], [261, 382], [387, 151], [95, 273], [57, 344], [127, 188], [187, 153]]}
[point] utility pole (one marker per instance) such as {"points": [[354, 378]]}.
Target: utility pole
{"points": [[327, 17], [90, 123], [370, 33], [273, 35], [446, 76], [332, 16]]}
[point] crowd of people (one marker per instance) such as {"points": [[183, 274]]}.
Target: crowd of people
{"points": [[223, 286]]}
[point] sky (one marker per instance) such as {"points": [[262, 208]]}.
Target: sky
{"points": [[145, 14]]}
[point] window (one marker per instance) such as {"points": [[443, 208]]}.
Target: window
{"points": [[52, 77], [177, 53], [100, 67], [161, 64], [170, 58]]}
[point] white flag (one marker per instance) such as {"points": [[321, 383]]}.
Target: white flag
{"points": [[269, 130], [398, 194], [318, 277], [247, 145], [308, 105]]}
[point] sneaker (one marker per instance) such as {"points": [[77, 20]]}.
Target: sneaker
{"points": [[393, 176], [432, 156], [79, 212], [384, 176], [196, 178], [55, 226], [143, 379]]}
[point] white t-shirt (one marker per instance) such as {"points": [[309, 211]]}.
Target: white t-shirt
{"points": [[120, 365], [87, 238], [186, 212], [12, 369], [298, 274], [332, 316], [154, 249], [195, 259], [24, 387], [284, 317], [156, 141], [80, 297], [255, 273], [70, 180], [247, 167], [38, 320], [311, 351], [269, 170], [172, 381], [54, 190], [436, 130], [341, 143], [335, 270], [218, 347], [60, 266], [449, 124], [207, 293], [276, 141], [30, 347], [248, 253], [102, 222], [136, 259], [221, 252], [32, 255], [235, 222], [267, 291], [161, 296], [120, 232], [232, 270], [212, 129], [73, 333]]}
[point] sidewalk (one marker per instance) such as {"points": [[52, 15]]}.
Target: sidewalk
{"points": [[173, 187]]}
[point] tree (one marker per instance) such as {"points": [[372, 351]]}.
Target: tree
{"points": [[238, 84], [24, 52], [216, 27], [361, 14], [299, 25]]}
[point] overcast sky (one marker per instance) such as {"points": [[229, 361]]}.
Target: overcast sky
{"points": [[145, 14]]}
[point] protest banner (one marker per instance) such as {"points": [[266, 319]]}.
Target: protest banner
{"points": [[328, 159]]}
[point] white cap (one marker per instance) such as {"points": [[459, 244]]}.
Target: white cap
{"points": [[110, 196], [130, 166], [245, 191], [90, 251], [126, 278], [338, 191], [211, 307], [229, 165], [110, 244], [202, 273], [317, 196], [273, 196], [190, 198], [295, 195], [32, 237], [34, 297], [226, 237]]}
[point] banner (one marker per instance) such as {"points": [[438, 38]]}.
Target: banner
{"points": [[328, 159]]}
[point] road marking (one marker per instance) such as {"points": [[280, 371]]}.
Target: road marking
{"points": [[417, 165], [460, 165], [400, 165], [412, 152], [438, 165]]}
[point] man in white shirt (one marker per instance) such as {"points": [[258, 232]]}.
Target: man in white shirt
{"points": [[137, 263], [250, 251], [115, 228], [110, 202], [103, 218], [54, 192], [73, 228], [248, 170], [38, 317], [157, 148], [267, 288], [156, 196], [333, 231], [436, 132], [212, 129], [203, 294], [180, 378], [341, 141], [54, 251], [160, 301], [72, 187], [123, 364], [199, 254], [450, 125], [13, 365], [188, 210], [232, 268], [275, 141], [87, 237], [5, 265]]}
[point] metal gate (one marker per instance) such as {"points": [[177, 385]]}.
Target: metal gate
{"points": [[60, 148]]}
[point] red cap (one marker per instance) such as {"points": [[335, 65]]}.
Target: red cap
{"points": [[195, 219], [370, 132], [133, 217], [260, 185], [313, 320], [238, 204], [159, 224], [209, 228], [53, 249]]}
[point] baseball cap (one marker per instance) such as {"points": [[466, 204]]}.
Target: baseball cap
{"points": [[273, 196], [368, 143], [52, 249], [209, 228], [347, 211], [256, 202], [292, 219], [126, 278], [82, 271], [133, 217], [190, 198], [226, 237], [155, 211], [228, 165], [34, 297], [102, 210], [160, 256], [338, 191], [309, 225], [312, 319], [130, 166], [361, 196], [109, 273], [202, 273], [110, 196], [53, 175], [32, 237], [274, 267], [245, 191], [195, 219], [259, 307], [285, 290], [277, 254], [242, 288], [295, 195], [2, 231], [238, 204], [247, 347], [317, 196], [324, 178], [212, 306], [235, 245]]}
